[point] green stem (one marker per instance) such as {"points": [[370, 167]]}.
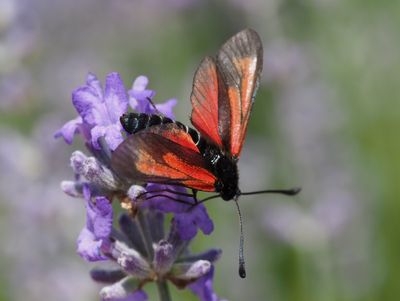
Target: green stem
{"points": [[163, 290]]}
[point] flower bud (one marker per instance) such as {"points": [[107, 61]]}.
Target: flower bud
{"points": [[163, 257], [191, 271], [131, 260], [72, 188], [119, 290]]}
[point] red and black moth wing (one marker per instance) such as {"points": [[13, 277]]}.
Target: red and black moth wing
{"points": [[224, 89], [204, 100], [163, 154]]}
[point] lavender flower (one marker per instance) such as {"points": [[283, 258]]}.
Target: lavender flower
{"points": [[99, 112], [138, 249]]}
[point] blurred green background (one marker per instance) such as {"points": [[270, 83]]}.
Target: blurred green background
{"points": [[326, 118]]}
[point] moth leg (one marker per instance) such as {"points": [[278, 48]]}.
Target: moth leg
{"points": [[161, 193], [196, 201], [167, 190], [171, 198]]}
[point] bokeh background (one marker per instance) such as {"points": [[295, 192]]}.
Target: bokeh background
{"points": [[326, 118]]}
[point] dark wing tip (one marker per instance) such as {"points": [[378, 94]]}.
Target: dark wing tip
{"points": [[250, 33], [247, 41]]}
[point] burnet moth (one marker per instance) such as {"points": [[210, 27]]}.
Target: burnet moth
{"points": [[164, 151]]}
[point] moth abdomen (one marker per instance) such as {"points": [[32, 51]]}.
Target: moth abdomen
{"points": [[135, 122]]}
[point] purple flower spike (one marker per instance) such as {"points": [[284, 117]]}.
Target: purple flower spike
{"points": [[139, 99], [141, 248], [99, 112], [98, 228]]}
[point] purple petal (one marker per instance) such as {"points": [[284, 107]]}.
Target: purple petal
{"points": [[115, 97], [187, 219], [94, 83], [69, 130], [107, 275], [89, 105], [138, 95], [165, 204], [113, 136], [103, 218], [111, 133], [167, 107], [98, 227], [203, 287], [140, 83], [88, 247], [185, 227], [203, 220], [188, 222], [87, 194], [96, 133]]}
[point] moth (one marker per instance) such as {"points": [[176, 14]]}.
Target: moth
{"points": [[203, 158]]}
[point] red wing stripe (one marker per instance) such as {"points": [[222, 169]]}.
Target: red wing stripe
{"points": [[204, 100]]}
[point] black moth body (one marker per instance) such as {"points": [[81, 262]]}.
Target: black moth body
{"points": [[222, 165]]}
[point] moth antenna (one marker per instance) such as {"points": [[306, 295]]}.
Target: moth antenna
{"points": [[292, 191], [242, 269], [153, 105]]}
